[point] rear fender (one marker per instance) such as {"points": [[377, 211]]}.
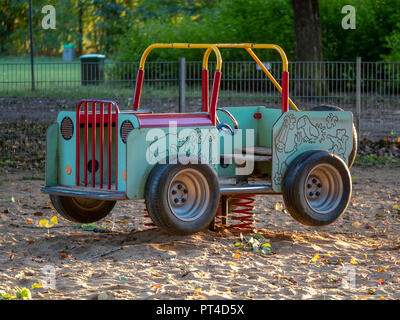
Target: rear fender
{"points": [[296, 132]]}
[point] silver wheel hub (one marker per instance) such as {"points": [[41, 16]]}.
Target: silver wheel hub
{"points": [[178, 194], [188, 194], [323, 188]]}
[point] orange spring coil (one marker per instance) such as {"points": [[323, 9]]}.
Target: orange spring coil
{"points": [[243, 211], [149, 224]]}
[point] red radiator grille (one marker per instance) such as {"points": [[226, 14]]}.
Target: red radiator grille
{"points": [[91, 117]]}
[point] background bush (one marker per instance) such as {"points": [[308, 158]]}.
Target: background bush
{"points": [[122, 28]]}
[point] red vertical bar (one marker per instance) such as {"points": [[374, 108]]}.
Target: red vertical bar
{"points": [[116, 147], [109, 146], [214, 96], [101, 142], [85, 160], [138, 89], [93, 143], [78, 140], [205, 90], [285, 91]]}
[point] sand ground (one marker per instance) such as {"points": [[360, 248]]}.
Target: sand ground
{"points": [[134, 262]]}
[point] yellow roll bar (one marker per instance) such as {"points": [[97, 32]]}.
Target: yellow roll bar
{"points": [[248, 47], [209, 47]]}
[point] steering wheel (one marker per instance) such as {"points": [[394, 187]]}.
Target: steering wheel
{"points": [[226, 127]]}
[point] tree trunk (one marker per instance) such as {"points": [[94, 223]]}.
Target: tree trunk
{"points": [[80, 27], [307, 29]]}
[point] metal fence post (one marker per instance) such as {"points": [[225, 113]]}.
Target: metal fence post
{"points": [[182, 80], [31, 45], [358, 95]]}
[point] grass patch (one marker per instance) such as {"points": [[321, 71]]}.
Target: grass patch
{"points": [[34, 177], [372, 160]]}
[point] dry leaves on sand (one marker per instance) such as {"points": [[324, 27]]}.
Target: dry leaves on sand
{"points": [[256, 243]]}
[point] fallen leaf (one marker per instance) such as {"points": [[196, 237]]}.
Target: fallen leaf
{"points": [[38, 214], [64, 255], [157, 287], [48, 224], [315, 258], [279, 206], [29, 221], [353, 261], [356, 224], [236, 255], [362, 298], [197, 291], [380, 270], [37, 285], [381, 281]]}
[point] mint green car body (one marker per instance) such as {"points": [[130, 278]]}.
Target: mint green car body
{"points": [[288, 135]]}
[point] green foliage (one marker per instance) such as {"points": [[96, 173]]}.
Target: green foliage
{"points": [[122, 28], [151, 9], [16, 293], [393, 44], [375, 20], [257, 21], [110, 19], [372, 160]]}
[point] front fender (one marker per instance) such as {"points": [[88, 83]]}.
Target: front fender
{"points": [[52, 154], [147, 146]]}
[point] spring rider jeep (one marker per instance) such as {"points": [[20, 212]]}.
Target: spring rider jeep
{"points": [[197, 169]]}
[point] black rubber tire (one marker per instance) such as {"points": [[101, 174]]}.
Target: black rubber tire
{"points": [[156, 198], [294, 188], [70, 209], [353, 153]]}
